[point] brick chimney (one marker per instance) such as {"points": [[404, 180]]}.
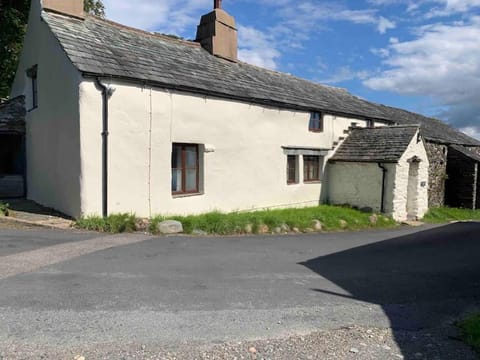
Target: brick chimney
{"points": [[67, 7], [217, 33]]}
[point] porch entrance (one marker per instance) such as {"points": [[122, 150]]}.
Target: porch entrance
{"points": [[12, 165], [412, 190]]}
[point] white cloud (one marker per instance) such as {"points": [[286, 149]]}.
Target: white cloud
{"points": [[170, 16], [344, 73], [442, 62], [473, 131], [257, 48], [384, 25]]}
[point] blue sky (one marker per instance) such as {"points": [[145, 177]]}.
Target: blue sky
{"points": [[421, 55]]}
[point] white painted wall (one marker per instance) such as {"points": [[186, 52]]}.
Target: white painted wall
{"points": [[360, 184], [52, 130], [246, 171], [416, 148]]}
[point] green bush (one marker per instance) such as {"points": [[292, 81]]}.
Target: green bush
{"points": [[470, 329], [4, 209], [115, 223]]}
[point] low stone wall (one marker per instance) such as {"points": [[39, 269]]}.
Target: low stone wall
{"points": [[437, 155]]}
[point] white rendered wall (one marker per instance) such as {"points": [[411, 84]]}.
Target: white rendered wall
{"points": [[52, 130], [360, 184], [416, 148], [246, 170]]}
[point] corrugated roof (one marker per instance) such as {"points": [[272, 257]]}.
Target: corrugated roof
{"points": [[101, 47], [382, 144]]}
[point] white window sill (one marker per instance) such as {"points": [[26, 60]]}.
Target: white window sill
{"points": [[177, 196]]}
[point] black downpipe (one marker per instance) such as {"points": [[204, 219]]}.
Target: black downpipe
{"points": [[105, 96], [384, 185]]}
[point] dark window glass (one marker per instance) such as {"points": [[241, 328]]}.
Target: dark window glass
{"points": [[292, 162], [311, 168], [184, 169], [316, 122]]}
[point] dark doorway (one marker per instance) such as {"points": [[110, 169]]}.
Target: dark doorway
{"points": [[12, 165]]}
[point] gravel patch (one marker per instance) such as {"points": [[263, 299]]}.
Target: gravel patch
{"points": [[6, 224], [346, 343]]}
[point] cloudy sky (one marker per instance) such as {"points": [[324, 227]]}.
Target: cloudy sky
{"points": [[421, 55]]}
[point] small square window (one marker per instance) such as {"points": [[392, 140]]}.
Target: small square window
{"points": [[316, 122], [311, 168], [292, 169], [33, 86]]}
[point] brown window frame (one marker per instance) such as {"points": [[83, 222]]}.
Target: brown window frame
{"points": [[295, 169], [312, 126], [307, 165], [184, 168]]}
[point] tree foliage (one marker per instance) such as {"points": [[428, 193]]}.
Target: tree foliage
{"points": [[13, 23]]}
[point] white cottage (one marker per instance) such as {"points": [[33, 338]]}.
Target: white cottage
{"points": [[123, 120]]}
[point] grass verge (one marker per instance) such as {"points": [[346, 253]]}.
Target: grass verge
{"points": [[117, 223], [332, 218], [4, 209], [470, 330], [445, 214]]}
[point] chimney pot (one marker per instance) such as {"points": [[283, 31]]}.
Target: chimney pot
{"points": [[67, 7], [217, 4]]}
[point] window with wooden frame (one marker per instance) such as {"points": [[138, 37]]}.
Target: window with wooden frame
{"points": [[292, 169], [311, 168], [185, 169], [316, 122], [32, 75]]}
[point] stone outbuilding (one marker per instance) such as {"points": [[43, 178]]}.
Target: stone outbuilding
{"points": [[385, 169]]}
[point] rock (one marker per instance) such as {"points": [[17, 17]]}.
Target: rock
{"points": [[263, 229], [317, 225], [252, 350], [142, 224], [373, 219], [170, 227], [277, 230], [308, 230], [79, 357], [366, 209], [354, 350], [248, 228], [198, 232], [296, 230], [343, 224], [285, 228]]}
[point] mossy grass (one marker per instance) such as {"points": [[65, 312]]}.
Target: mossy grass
{"points": [[238, 222], [445, 214], [470, 331], [116, 223], [4, 209]]}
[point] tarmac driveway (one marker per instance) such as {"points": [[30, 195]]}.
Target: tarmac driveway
{"points": [[71, 289]]}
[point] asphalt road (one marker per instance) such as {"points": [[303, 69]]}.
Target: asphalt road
{"points": [[168, 290]]}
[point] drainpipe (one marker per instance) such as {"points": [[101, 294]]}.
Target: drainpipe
{"points": [[384, 185], [107, 92]]}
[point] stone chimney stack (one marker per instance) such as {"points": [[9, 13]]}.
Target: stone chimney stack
{"points": [[67, 7], [217, 33]]}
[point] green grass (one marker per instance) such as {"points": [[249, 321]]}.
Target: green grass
{"points": [[117, 223], [4, 209], [445, 214], [470, 329], [236, 222]]}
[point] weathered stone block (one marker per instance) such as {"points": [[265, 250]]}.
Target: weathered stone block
{"points": [[170, 227]]}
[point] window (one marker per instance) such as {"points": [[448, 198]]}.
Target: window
{"points": [[316, 122], [292, 169], [185, 169], [370, 123], [32, 75], [311, 168]]}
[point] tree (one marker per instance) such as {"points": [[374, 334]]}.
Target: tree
{"points": [[13, 23]]}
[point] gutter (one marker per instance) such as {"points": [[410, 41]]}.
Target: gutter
{"points": [[107, 92], [384, 185]]}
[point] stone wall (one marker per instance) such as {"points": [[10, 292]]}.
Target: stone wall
{"points": [[461, 183], [437, 155]]}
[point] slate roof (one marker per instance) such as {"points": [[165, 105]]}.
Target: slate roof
{"points": [[382, 144], [465, 151], [100, 47], [12, 115]]}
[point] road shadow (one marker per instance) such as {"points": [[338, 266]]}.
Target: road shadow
{"points": [[422, 281]]}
